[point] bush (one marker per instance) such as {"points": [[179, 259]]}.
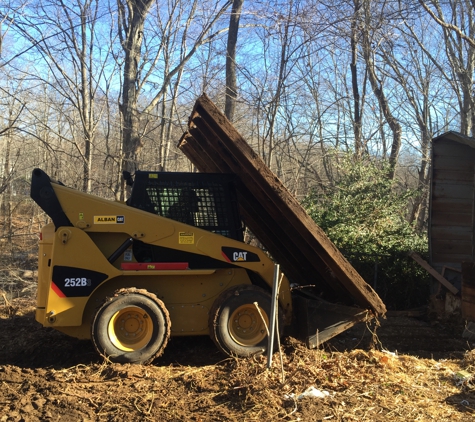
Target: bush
{"points": [[364, 213]]}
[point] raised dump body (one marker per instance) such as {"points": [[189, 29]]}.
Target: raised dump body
{"points": [[304, 252]]}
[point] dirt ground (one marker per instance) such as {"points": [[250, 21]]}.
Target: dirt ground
{"points": [[416, 371]]}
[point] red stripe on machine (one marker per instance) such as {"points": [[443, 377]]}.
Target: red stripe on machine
{"points": [[56, 289], [225, 256], [137, 266]]}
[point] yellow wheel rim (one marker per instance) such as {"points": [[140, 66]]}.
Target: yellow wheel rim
{"points": [[130, 329], [246, 326]]}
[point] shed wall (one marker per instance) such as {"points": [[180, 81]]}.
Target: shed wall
{"points": [[452, 200]]}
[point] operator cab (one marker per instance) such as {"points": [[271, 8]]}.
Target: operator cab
{"points": [[204, 200]]}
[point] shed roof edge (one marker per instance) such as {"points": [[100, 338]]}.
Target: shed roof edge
{"points": [[456, 137]]}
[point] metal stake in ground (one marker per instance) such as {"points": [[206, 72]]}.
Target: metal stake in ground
{"points": [[273, 308]]}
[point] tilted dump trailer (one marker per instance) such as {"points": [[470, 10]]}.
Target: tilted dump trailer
{"points": [[172, 261]]}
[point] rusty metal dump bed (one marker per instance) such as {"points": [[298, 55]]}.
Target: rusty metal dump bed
{"points": [[304, 252]]}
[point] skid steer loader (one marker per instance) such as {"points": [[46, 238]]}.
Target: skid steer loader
{"points": [[169, 262]]}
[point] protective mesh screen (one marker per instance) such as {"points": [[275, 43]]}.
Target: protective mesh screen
{"points": [[202, 203]]}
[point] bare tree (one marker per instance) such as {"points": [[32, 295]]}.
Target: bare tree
{"points": [[11, 107], [139, 67], [231, 78], [457, 20], [369, 26], [62, 36], [357, 102], [415, 76], [131, 16]]}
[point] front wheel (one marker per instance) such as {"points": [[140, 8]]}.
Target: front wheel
{"points": [[239, 327], [131, 327]]}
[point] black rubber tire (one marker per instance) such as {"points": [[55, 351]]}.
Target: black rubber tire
{"points": [[225, 333], [146, 306]]}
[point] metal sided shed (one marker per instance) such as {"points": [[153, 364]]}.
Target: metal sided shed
{"points": [[451, 213]]}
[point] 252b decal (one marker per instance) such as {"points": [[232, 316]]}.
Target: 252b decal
{"points": [[75, 282]]}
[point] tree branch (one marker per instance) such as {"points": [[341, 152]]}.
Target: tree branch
{"points": [[446, 25]]}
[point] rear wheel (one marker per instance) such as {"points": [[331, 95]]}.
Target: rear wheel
{"points": [[131, 327], [237, 325]]}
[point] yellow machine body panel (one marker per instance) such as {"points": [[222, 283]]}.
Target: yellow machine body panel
{"points": [[77, 272]]}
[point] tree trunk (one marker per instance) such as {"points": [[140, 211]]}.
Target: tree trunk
{"points": [[357, 119], [131, 34], [459, 38], [377, 88], [231, 79]]}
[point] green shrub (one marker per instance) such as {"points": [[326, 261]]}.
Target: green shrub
{"points": [[364, 213]]}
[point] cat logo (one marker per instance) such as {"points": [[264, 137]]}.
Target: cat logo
{"points": [[238, 255]]}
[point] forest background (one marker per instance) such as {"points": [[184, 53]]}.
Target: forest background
{"points": [[340, 98]]}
